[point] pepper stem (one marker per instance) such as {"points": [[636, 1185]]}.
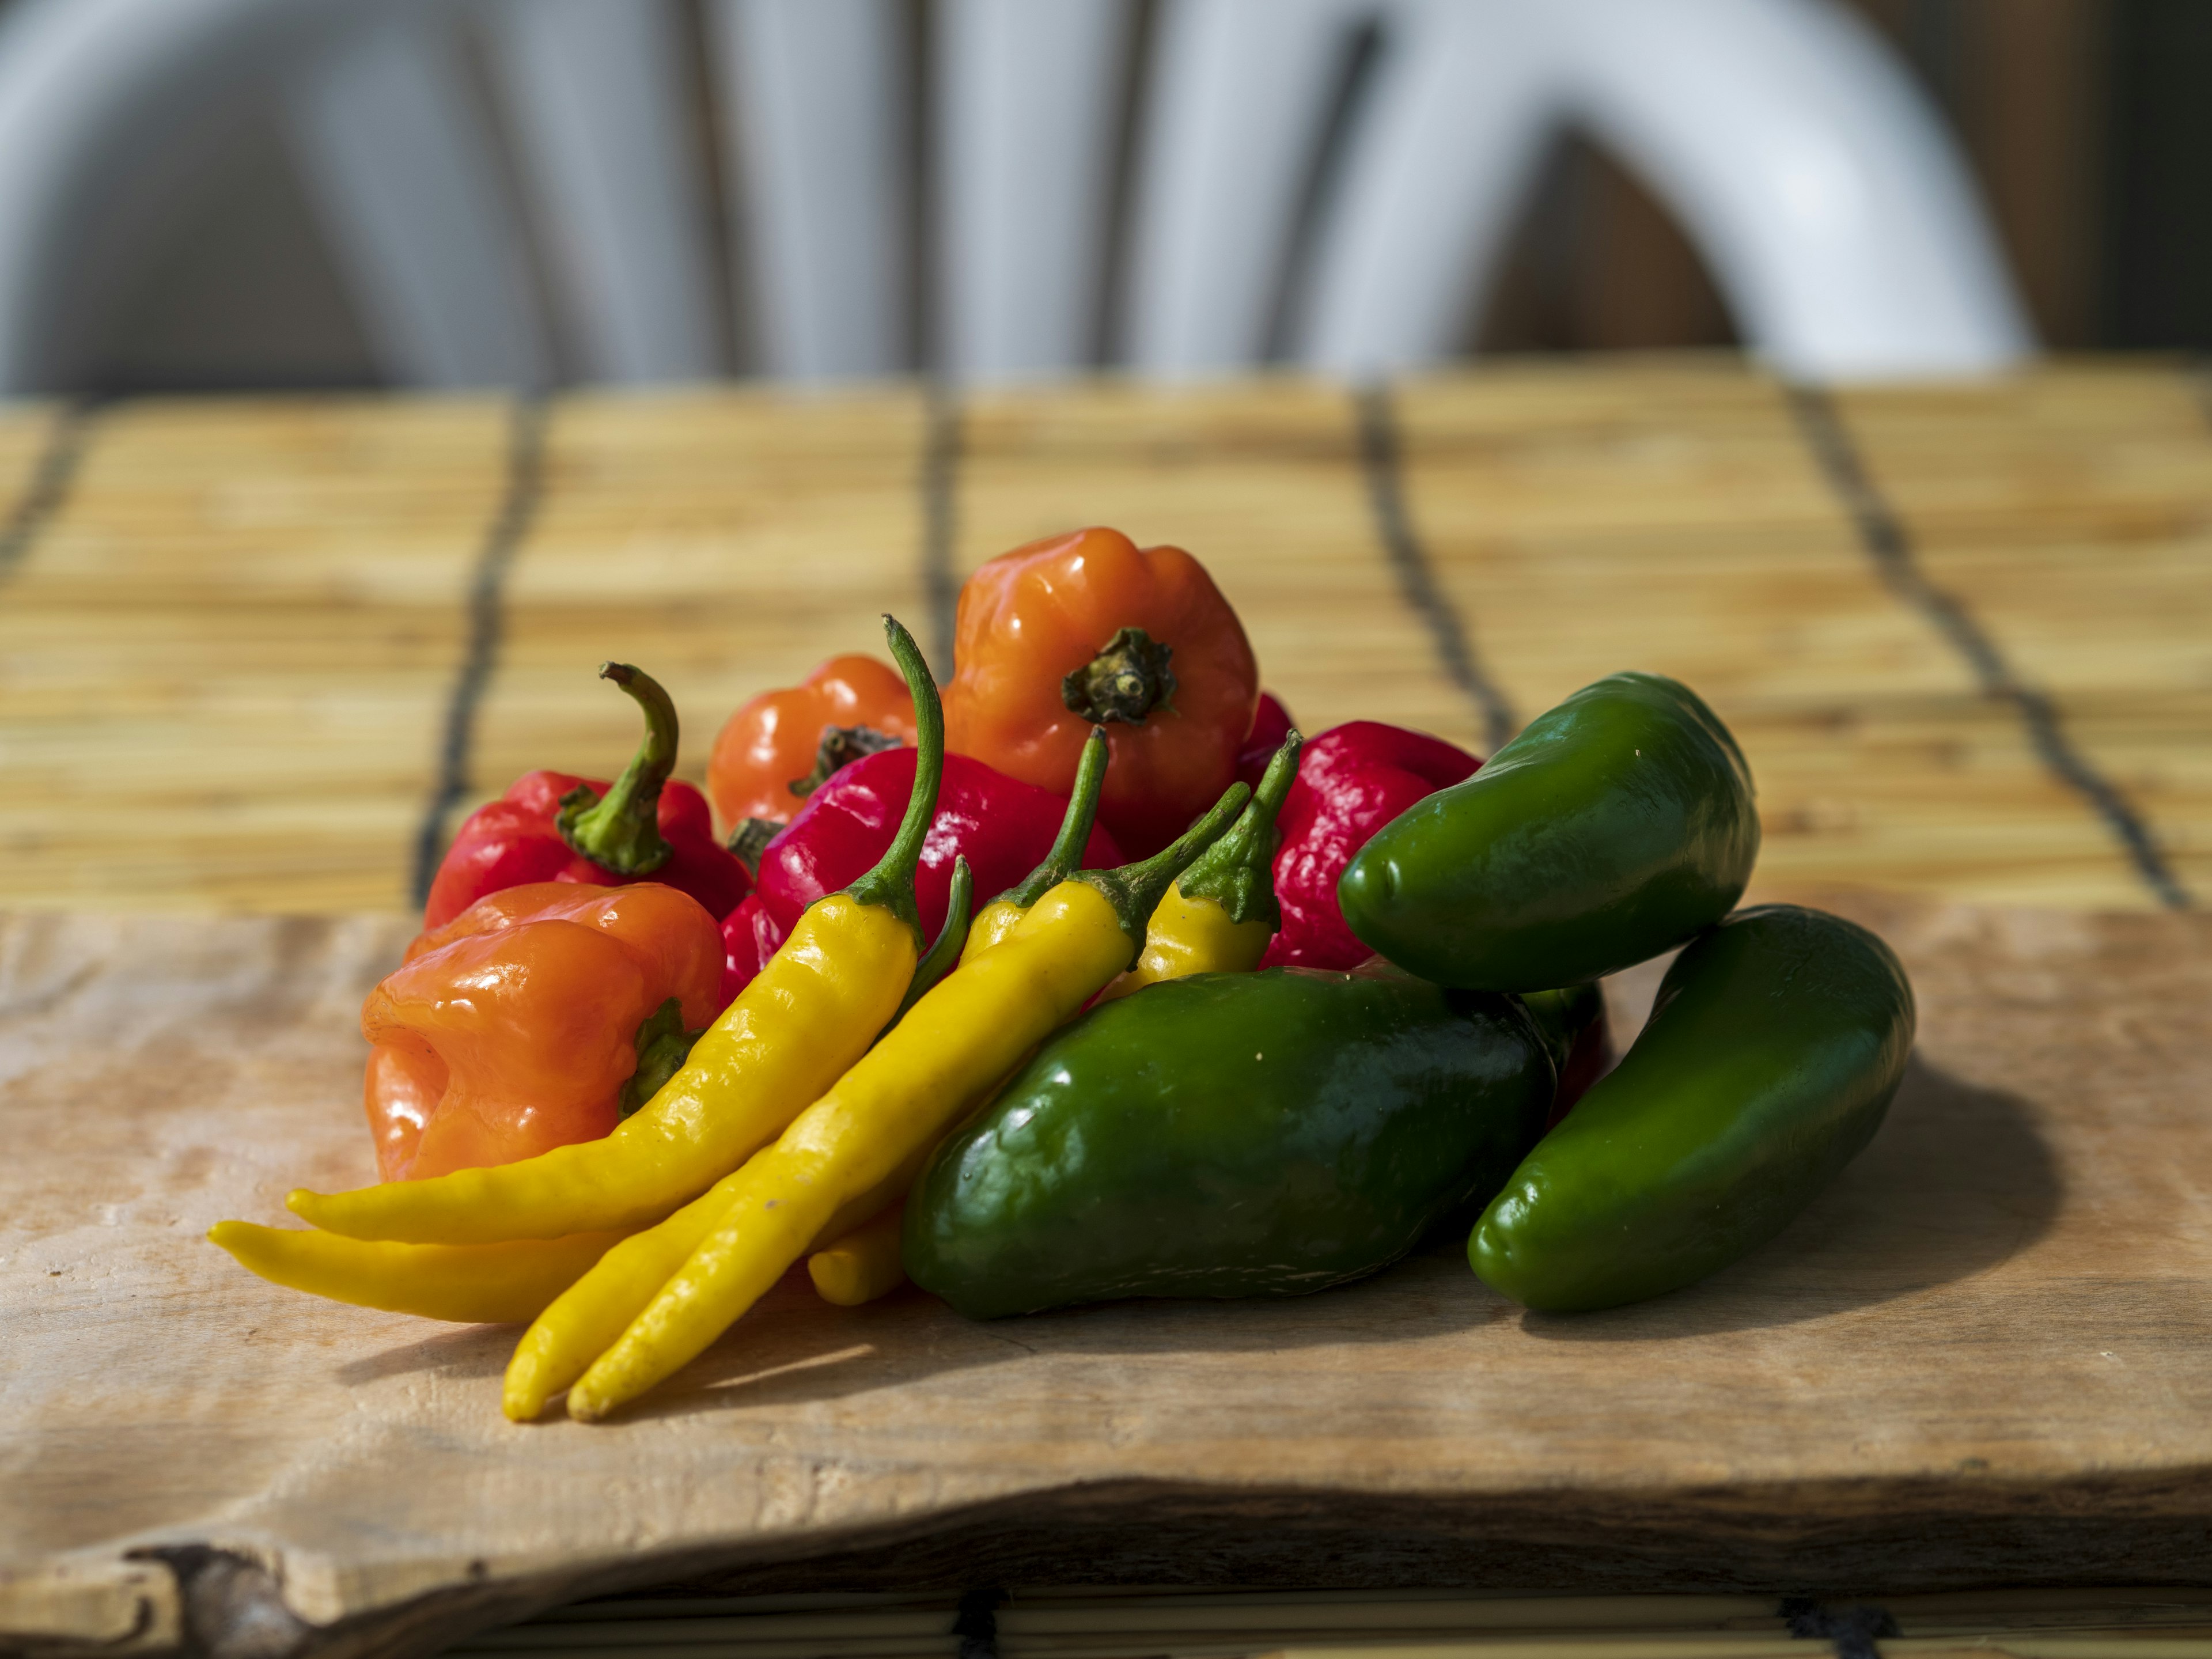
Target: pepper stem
{"points": [[890, 884], [1237, 872], [840, 747], [1126, 681], [1066, 854], [621, 831], [1135, 889], [939, 960]]}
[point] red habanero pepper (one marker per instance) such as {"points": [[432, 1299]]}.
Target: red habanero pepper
{"points": [[1004, 828], [553, 826], [1089, 630], [769, 755], [532, 1020], [1352, 779]]}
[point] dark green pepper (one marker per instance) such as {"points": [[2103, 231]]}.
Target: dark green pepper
{"points": [[1615, 827], [1229, 1134], [1773, 1049]]}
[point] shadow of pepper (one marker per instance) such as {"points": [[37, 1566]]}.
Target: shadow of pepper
{"points": [[1958, 1179]]}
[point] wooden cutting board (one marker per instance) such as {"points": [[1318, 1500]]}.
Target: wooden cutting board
{"points": [[1980, 1360]]}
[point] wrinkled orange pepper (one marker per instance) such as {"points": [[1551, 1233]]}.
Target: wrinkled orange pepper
{"points": [[774, 740], [515, 1027], [1088, 629]]}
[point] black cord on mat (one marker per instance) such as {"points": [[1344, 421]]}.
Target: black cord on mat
{"points": [[49, 483], [978, 1625], [1883, 536], [1382, 455], [519, 501], [1853, 1630]]}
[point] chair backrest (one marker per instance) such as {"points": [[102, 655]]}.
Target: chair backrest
{"points": [[1830, 203]]}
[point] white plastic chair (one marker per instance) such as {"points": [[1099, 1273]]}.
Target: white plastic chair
{"points": [[1833, 209]]}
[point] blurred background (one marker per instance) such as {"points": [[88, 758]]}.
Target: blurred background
{"points": [[211, 256]]}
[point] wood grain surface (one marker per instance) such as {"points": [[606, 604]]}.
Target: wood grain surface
{"points": [[1978, 1360], [238, 637]]}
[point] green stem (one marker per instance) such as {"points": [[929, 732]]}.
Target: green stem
{"points": [[1135, 889], [890, 884], [621, 831], [663, 1046], [840, 747], [1237, 872], [941, 957], [1066, 854], [1126, 681]]}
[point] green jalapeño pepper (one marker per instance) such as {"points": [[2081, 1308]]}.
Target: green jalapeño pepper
{"points": [[1229, 1134], [1615, 827], [1776, 1043]]}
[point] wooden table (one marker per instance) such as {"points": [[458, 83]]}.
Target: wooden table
{"points": [[259, 655]]}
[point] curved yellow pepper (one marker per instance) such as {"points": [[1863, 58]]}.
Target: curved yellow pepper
{"points": [[471, 1284], [812, 1011], [1220, 913], [841, 1159], [862, 1265]]}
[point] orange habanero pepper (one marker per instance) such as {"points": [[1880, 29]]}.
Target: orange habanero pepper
{"points": [[1088, 629], [532, 1020], [800, 734]]}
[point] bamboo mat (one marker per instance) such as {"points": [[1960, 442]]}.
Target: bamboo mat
{"points": [[261, 654]]}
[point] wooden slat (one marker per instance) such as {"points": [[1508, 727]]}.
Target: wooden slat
{"points": [[726, 543], [1673, 518], [226, 658], [2072, 511]]}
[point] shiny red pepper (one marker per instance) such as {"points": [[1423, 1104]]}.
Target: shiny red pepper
{"points": [[1003, 827], [555, 826], [1352, 779]]}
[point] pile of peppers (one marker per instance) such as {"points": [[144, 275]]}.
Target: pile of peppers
{"points": [[1089, 977]]}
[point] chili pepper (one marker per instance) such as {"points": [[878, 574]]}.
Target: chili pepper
{"points": [[862, 1265], [1352, 779], [1573, 1023], [1086, 630], [1001, 826], [775, 742], [808, 1015], [1775, 1046], [516, 1027], [471, 1284], [1229, 1134], [1617, 825], [1004, 914], [1221, 913], [553, 826], [1271, 724], [837, 1164]]}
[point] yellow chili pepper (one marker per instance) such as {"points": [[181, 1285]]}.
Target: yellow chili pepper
{"points": [[473, 1283], [1220, 913], [839, 1161], [1004, 914], [862, 1265], [807, 1016]]}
